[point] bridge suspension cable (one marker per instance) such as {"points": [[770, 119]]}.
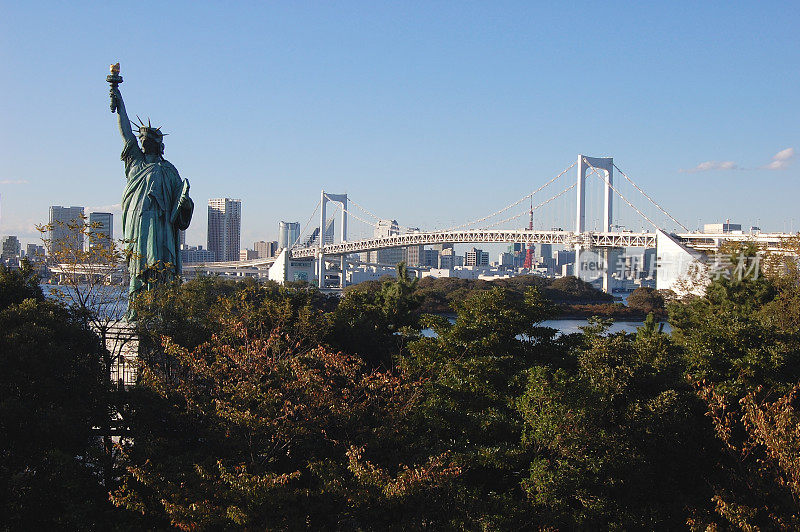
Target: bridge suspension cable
{"points": [[302, 232], [479, 220], [650, 199], [643, 215], [357, 217], [351, 200], [545, 202], [378, 218], [523, 213]]}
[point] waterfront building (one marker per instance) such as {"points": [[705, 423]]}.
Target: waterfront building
{"points": [[102, 229], [476, 257], [10, 249], [248, 254], [224, 228], [66, 229], [196, 254], [726, 227], [34, 252], [265, 250], [288, 234]]}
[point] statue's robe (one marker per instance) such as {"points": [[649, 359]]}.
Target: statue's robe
{"points": [[155, 206]]}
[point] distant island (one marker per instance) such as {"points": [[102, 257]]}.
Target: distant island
{"points": [[572, 297]]}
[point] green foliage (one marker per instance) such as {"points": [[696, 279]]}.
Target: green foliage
{"points": [[570, 289], [472, 371], [16, 285], [376, 321], [51, 395], [615, 439], [745, 365], [729, 343], [646, 299], [259, 427], [272, 407]]}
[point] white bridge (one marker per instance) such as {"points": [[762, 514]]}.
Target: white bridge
{"points": [[485, 236], [672, 247]]}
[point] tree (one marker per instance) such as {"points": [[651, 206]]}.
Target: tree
{"points": [[745, 365], [472, 372], [646, 299], [617, 440], [260, 427], [91, 283], [51, 397], [376, 322]]}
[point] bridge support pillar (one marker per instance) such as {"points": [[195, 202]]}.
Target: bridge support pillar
{"points": [[609, 267], [606, 166], [324, 199]]}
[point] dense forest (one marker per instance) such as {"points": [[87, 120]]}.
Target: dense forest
{"points": [[262, 406]]}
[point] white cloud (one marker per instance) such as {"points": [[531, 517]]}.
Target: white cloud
{"points": [[13, 182], [781, 160], [712, 165]]}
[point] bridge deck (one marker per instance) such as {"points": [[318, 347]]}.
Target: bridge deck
{"points": [[589, 239]]}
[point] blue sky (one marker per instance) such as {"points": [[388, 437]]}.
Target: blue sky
{"points": [[428, 112]]}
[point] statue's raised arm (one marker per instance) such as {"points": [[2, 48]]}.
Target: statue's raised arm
{"points": [[114, 79], [156, 205]]}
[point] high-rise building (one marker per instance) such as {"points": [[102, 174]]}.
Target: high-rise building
{"points": [[101, 229], [224, 228], [413, 254], [545, 251], [66, 229], [10, 248], [195, 254], [448, 258], [182, 237], [389, 256], [565, 257], [313, 238], [505, 259], [476, 257], [430, 258], [288, 234], [248, 254], [386, 228], [34, 252], [265, 250]]}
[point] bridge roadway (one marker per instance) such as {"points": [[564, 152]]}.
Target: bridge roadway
{"points": [[775, 242], [484, 236]]}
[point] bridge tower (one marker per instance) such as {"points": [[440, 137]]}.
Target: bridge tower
{"points": [[606, 166], [336, 198]]}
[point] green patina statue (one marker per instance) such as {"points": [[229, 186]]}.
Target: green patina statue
{"points": [[155, 204]]}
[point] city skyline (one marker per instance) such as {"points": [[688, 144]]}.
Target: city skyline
{"points": [[430, 103]]}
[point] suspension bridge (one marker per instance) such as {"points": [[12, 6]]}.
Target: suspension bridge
{"points": [[591, 205]]}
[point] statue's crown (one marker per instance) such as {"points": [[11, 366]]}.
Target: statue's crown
{"points": [[148, 131]]}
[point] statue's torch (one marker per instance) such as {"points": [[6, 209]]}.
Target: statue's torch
{"points": [[114, 79]]}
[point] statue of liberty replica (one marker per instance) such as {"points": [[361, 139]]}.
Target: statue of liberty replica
{"points": [[155, 203]]}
